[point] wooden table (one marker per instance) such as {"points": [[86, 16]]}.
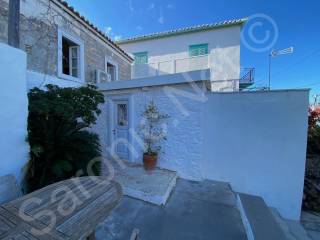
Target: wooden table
{"points": [[70, 209]]}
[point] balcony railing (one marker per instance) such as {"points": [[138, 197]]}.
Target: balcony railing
{"points": [[181, 65], [247, 76], [170, 67]]}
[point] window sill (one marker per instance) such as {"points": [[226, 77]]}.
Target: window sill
{"points": [[70, 78]]}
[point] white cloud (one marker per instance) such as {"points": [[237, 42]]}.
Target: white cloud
{"points": [[131, 8], [151, 6], [139, 28], [108, 30], [170, 6], [161, 20], [112, 34], [161, 17], [117, 37]]}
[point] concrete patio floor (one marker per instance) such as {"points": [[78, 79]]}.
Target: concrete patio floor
{"points": [[195, 211]]}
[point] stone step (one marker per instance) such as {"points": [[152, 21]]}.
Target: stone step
{"points": [[150, 186], [292, 229], [258, 219]]}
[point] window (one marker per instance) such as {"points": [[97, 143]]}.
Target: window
{"points": [[122, 114], [141, 58], [198, 50], [70, 57], [111, 70]]}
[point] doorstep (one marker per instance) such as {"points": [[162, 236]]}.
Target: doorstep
{"points": [[151, 186]]}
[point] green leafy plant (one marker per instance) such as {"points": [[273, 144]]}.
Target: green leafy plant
{"points": [[152, 131], [61, 145], [314, 132]]}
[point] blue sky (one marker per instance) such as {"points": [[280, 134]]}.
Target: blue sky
{"points": [[273, 25]]}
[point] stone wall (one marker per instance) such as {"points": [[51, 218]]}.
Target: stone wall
{"points": [[39, 38], [3, 21]]}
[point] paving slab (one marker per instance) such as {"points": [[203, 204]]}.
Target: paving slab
{"points": [[190, 214], [219, 192], [151, 186]]}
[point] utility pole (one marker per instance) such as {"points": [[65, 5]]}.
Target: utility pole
{"points": [[269, 80], [13, 23]]}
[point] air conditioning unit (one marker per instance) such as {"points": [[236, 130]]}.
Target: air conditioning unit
{"points": [[102, 76]]}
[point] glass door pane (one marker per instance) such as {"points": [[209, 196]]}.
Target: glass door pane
{"points": [[122, 114]]}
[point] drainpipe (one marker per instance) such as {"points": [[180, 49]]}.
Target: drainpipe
{"points": [[13, 23]]}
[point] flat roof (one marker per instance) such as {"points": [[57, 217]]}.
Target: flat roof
{"points": [[197, 28], [162, 80]]}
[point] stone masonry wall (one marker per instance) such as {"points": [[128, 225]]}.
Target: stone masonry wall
{"points": [[3, 21], [39, 38]]}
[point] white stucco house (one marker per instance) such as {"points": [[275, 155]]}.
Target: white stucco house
{"points": [[211, 46]]}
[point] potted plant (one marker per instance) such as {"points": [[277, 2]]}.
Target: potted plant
{"points": [[153, 133]]}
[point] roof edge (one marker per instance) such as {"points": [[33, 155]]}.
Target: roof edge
{"points": [[186, 30], [93, 28], [157, 81]]}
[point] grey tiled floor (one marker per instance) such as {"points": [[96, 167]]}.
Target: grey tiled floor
{"points": [[195, 211]]}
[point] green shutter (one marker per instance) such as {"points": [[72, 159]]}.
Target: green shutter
{"points": [[141, 58], [198, 50]]}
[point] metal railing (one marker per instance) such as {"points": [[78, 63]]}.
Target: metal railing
{"points": [[170, 66], [186, 65], [247, 75]]}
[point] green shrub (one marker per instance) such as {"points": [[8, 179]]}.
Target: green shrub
{"points": [[61, 146]]}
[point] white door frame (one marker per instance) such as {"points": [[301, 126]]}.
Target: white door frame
{"points": [[111, 117]]}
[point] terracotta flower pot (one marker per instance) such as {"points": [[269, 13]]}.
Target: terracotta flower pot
{"points": [[149, 161]]}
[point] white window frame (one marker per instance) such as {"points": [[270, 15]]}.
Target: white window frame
{"points": [[78, 41], [115, 64]]}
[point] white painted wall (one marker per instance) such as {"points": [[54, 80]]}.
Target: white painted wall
{"points": [[256, 141], [224, 47], [184, 129], [39, 80], [14, 111]]}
